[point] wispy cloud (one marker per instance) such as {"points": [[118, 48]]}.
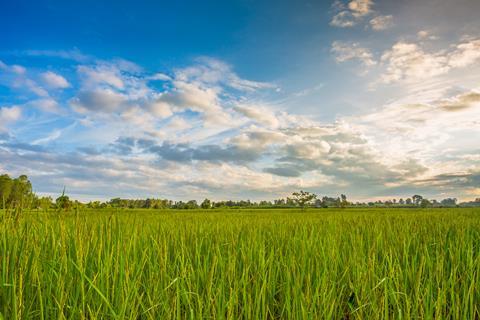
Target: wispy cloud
{"points": [[380, 22], [408, 61], [344, 51]]}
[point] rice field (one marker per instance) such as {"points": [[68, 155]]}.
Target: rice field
{"points": [[241, 264]]}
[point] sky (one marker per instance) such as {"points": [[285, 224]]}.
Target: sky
{"points": [[242, 99]]}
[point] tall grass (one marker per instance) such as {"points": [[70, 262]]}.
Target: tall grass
{"points": [[258, 264]]}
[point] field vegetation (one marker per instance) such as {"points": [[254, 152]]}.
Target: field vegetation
{"points": [[240, 264]]}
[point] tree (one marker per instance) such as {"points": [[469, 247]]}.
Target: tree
{"points": [[191, 204], [45, 203], [206, 204], [425, 203], [21, 193], [417, 199], [63, 202], [303, 198], [343, 201], [6, 184], [449, 202]]}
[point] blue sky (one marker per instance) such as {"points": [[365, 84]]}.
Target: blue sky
{"points": [[242, 99]]}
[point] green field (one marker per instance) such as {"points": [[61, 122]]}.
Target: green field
{"points": [[242, 264]]}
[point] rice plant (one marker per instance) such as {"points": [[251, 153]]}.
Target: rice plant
{"points": [[241, 264]]}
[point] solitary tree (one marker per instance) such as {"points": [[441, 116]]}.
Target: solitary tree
{"points": [[63, 202], [303, 198]]}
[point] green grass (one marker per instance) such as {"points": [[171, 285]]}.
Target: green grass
{"points": [[243, 264]]}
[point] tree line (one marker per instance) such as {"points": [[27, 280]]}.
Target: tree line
{"points": [[18, 193]]}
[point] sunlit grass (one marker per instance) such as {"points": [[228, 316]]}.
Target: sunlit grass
{"points": [[250, 264]]}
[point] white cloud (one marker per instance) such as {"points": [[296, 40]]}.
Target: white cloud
{"points": [[426, 35], [137, 117], [465, 54], [54, 135], [9, 115], [160, 109], [460, 102], [212, 72], [260, 114], [100, 75], [257, 138], [352, 51], [74, 54], [360, 8], [381, 22], [343, 19], [425, 128], [16, 77], [178, 124], [195, 97], [102, 100], [54, 80], [352, 13], [20, 70], [46, 105], [252, 146], [407, 61], [160, 76]]}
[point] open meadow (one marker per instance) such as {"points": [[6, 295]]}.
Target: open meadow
{"points": [[241, 264]]}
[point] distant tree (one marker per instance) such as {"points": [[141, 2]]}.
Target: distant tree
{"points": [[21, 194], [6, 184], [265, 203], [449, 202], [303, 198], [63, 202], [191, 204], [408, 201], [319, 203], [401, 201], [343, 201], [425, 203], [45, 203], [206, 204], [417, 199], [94, 205], [290, 202]]}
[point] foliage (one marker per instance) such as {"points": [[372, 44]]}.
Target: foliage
{"points": [[303, 198], [15, 192], [206, 204], [63, 202]]}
